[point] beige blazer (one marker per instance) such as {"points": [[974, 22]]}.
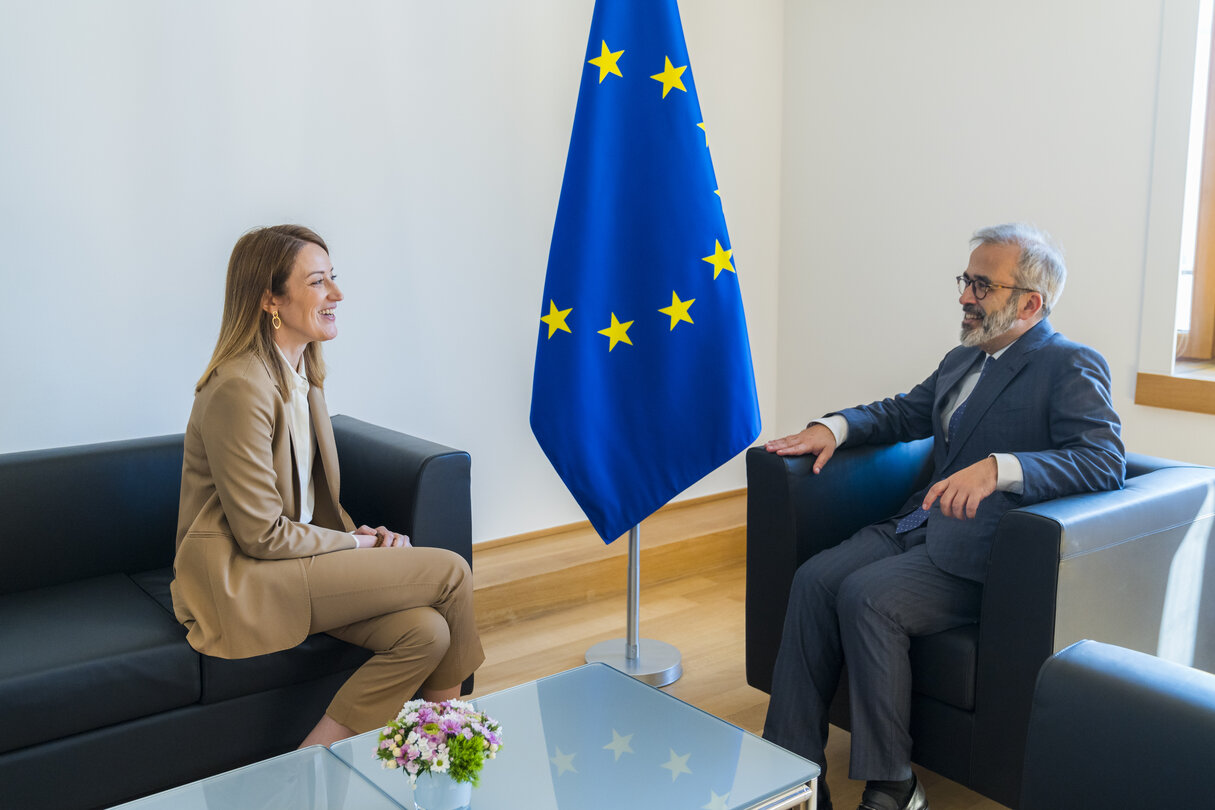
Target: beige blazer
{"points": [[239, 585]]}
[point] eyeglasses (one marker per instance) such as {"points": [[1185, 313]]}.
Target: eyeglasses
{"points": [[982, 288]]}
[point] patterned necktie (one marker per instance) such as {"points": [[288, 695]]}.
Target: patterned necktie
{"points": [[917, 518]]}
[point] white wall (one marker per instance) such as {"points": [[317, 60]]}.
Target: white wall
{"points": [[910, 125], [425, 141], [857, 145]]}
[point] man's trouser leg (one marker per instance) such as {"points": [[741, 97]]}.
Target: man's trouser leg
{"points": [[880, 606], [808, 665]]}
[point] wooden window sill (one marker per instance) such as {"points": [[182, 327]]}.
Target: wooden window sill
{"points": [[1191, 389]]}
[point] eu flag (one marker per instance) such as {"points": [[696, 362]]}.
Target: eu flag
{"points": [[643, 381]]}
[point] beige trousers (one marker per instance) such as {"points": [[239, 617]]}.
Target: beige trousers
{"points": [[413, 607]]}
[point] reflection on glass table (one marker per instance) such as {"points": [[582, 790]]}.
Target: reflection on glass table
{"points": [[593, 737], [309, 779]]}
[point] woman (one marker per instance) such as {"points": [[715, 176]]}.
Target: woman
{"points": [[265, 553]]}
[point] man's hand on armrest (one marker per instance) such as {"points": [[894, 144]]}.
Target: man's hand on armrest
{"points": [[962, 492], [816, 440]]}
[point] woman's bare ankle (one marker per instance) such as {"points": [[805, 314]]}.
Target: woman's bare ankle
{"points": [[440, 695], [327, 732]]}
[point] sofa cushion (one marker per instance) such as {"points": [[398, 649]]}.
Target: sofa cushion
{"points": [[86, 655], [222, 679], [125, 493], [944, 666], [319, 655]]}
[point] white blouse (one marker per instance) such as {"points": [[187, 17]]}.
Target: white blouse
{"points": [[303, 440]]}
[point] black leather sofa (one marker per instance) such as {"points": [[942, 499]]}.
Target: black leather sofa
{"points": [[1111, 727], [101, 698], [1102, 566]]}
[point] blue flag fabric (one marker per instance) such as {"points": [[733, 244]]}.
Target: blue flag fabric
{"points": [[643, 380]]}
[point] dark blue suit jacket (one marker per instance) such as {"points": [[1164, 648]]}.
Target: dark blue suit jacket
{"points": [[1046, 400]]}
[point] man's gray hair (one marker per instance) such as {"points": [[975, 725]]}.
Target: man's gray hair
{"points": [[1040, 266]]}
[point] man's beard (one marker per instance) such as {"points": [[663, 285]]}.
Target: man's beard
{"points": [[992, 325]]}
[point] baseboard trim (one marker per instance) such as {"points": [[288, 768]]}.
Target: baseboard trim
{"points": [[534, 573], [585, 525]]}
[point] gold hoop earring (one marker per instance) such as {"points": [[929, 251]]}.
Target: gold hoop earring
{"points": [[275, 320]]}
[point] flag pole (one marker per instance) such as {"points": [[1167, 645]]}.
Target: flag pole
{"points": [[654, 662]]}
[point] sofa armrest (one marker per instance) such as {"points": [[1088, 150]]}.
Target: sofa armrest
{"points": [[1101, 565], [793, 514], [408, 484], [1102, 714]]}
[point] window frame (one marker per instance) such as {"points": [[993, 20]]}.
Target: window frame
{"points": [[1186, 34]]}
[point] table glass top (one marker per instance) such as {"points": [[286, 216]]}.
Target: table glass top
{"points": [[594, 737], [308, 779]]}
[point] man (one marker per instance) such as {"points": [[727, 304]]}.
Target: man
{"points": [[1018, 414]]}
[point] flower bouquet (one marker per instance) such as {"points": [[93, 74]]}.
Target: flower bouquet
{"points": [[450, 738]]}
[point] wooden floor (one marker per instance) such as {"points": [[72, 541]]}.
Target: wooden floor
{"points": [[692, 596]]}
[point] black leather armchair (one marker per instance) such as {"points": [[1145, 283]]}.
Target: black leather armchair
{"points": [[1111, 727], [101, 697], [1108, 566]]}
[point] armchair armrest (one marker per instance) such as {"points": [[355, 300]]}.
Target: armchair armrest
{"points": [[1100, 713], [793, 513], [1119, 567], [409, 484]]}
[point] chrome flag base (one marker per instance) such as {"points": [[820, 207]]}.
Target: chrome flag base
{"points": [[657, 662], [654, 662]]}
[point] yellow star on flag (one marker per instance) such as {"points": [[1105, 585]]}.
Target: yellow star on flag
{"points": [[720, 259], [555, 319], [670, 77], [678, 310], [617, 332], [705, 131], [606, 62]]}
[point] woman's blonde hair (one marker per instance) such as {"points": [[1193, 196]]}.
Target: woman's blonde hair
{"points": [[262, 260]]}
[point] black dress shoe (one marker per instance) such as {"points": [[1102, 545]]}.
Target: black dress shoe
{"points": [[873, 799]]}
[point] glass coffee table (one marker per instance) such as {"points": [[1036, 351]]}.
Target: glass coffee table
{"points": [[594, 737], [309, 779], [585, 739]]}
